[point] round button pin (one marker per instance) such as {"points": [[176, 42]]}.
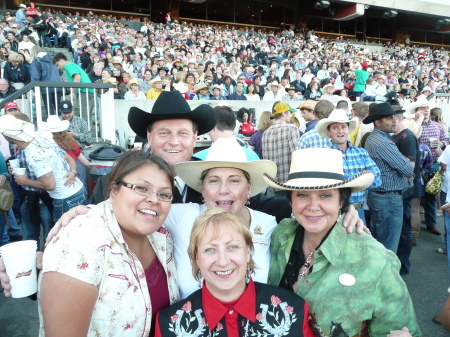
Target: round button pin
{"points": [[347, 280]]}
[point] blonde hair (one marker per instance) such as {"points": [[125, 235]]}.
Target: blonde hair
{"points": [[217, 220], [264, 121]]}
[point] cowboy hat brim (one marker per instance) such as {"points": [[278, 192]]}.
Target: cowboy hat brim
{"points": [[358, 182], [323, 124], [62, 127], [191, 171], [204, 115], [372, 118]]}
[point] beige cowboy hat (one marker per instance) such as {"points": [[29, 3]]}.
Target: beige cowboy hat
{"points": [[308, 104], [54, 124], [411, 108], [325, 87], [156, 79], [200, 86], [270, 85], [319, 169], [427, 88], [336, 116], [226, 153], [16, 129]]}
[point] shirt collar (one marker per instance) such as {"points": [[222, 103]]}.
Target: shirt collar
{"points": [[310, 122], [382, 133], [215, 310], [332, 247]]}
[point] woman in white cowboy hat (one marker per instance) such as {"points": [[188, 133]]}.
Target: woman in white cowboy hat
{"points": [[226, 180], [65, 141], [354, 285]]}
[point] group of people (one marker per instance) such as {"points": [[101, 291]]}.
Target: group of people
{"points": [[179, 246]]}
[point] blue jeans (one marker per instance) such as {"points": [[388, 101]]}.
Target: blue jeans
{"points": [[405, 243], [387, 215], [48, 42], [447, 237], [61, 206], [446, 222], [32, 220]]}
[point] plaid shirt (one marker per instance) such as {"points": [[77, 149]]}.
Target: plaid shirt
{"points": [[23, 163], [436, 130], [278, 143], [80, 127], [313, 139], [356, 160], [394, 167]]}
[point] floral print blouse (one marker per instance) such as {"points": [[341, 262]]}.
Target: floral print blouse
{"points": [[93, 250]]}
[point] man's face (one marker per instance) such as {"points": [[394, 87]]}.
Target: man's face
{"points": [[387, 124], [158, 85], [307, 114], [172, 140], [11, 111], [3, 85], [60, 64], [338, 132], [67, 115], [239, 87], [329, 90], [425, 111]]}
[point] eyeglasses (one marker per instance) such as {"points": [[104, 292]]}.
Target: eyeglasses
{"points": [[145, 191]]}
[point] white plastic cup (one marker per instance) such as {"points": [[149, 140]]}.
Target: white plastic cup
{"points": [[432, 140], [20, 262], [138, 145], [20, 170], [14, 163]]}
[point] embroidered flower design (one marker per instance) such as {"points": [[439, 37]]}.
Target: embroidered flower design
{"points": [[219, 326], [259, 317], [173, 318], [289, 309], [187, 306], [84, 265], [204, 321], [275, 300]]}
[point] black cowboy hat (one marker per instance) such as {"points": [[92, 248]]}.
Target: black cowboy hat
{"points": [[261, 70], [172, 105], [378, 111]]}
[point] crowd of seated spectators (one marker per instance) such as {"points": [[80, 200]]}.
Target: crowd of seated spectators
{"points": [[212, 62]]}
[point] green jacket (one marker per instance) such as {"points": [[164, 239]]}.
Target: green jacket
{"points": [[379, 295]]}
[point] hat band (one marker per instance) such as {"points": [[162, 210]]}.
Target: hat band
{"points": [[312, 174]]}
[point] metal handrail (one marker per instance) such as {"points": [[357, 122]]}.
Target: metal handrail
{"points": [[30, 86]]}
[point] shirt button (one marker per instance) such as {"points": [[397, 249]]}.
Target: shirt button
{"points": [[231, 312], [307, 282]]}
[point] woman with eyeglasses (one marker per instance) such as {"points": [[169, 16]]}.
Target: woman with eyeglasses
{"points": [[110, 271]]}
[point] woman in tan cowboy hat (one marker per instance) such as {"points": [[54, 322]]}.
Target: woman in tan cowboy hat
{"points": [[134, 94], [354, 285]]}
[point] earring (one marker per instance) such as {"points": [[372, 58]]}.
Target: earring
{"points": [[199, 278], [248, 202], [203, 200], [339, 216], [248, 275], [292, 216]]}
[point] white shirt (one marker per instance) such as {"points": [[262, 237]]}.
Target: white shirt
{"points": [[269, 96], [44, 156], [180, 222], [445, 159]]}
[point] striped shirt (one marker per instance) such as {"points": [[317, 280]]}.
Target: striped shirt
{"points": [[80, 127], [356, 160], [394, 167], [313, 139]]}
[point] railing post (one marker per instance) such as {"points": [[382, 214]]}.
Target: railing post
{"points": [[107, 116], [37, 96]]}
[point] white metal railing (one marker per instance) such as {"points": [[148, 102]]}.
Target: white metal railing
{"points": [[96, 108]]}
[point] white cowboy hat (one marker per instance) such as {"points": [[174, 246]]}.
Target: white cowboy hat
{"points": [[22, 6], [327, 86], [54, 124], [336, 116], [270, 85], [319, 169], [17, 129], [156, 79], [411, 108], [226, 153], [181, 87]]}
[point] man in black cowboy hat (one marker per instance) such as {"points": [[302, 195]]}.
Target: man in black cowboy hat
{"points": [[386, 202]]}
